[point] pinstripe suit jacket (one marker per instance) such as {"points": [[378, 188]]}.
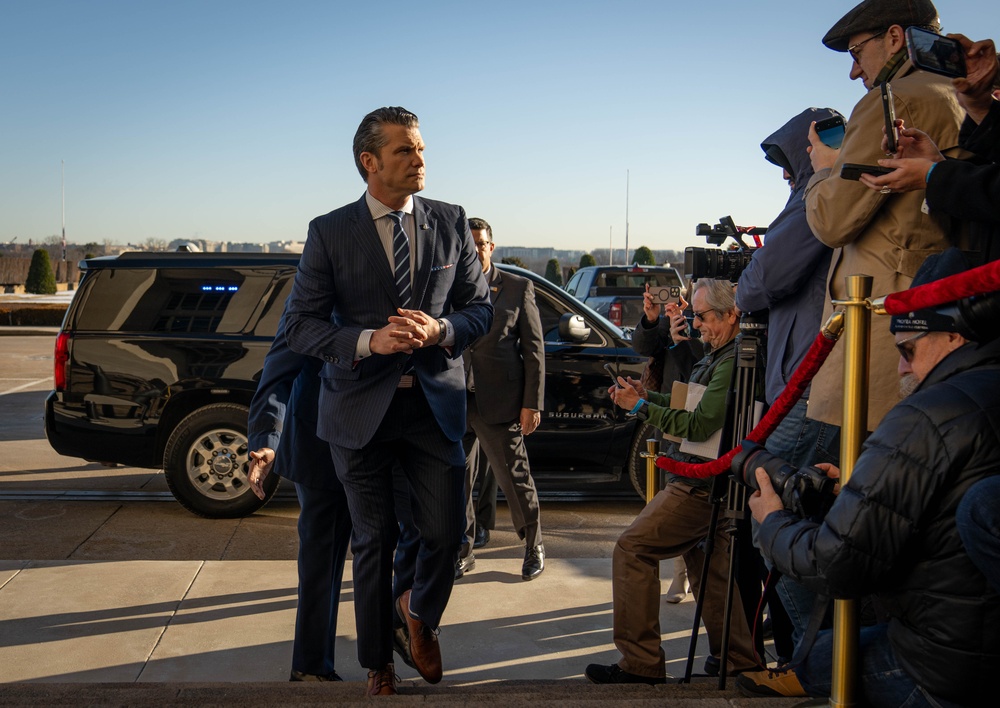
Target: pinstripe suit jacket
{"points": [[344, 285]]}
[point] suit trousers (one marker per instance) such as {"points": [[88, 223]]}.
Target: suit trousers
{"points": [[434, 469], [672, 524], [486, 500], [324, 533], [503, 444]]}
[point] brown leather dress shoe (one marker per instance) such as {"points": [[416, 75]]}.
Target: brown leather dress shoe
{"points": [[424, 646], [382, 682]]}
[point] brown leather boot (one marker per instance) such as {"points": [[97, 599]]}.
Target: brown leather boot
{"points": [[382, 682]]}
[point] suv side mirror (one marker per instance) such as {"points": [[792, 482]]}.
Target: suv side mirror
{"points": [[573, 328]]}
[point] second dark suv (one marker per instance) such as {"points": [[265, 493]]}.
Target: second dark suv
{"points": [[160, 354]]}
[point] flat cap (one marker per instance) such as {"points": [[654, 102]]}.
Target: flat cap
{"points": [[877, 15]]}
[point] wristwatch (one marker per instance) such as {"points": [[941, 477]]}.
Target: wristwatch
{"points": [[444, 330]]}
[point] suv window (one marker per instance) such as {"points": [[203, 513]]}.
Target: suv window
{"points": [[193, 301]]}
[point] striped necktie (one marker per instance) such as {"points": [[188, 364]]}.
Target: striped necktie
{"points": [[401, 257]]}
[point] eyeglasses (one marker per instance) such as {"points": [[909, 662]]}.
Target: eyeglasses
{"points": [[855, 49], [907, 352], [701, 315], [483, 244]]}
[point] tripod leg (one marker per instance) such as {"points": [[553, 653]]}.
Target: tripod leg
{"points": [[728, 616]]}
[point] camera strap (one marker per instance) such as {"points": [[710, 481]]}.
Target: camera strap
{"points": [[820, 609]]}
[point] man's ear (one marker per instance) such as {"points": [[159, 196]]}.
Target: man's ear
{"points": [[956, 340], [369, 161], [897, 38]]}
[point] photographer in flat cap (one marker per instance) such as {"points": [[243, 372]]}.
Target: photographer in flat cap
{"points": [[892, 529], [886, 235]]}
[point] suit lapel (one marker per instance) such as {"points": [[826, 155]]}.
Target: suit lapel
{"points": [[425, 240], [366, 237], [496, 285]]}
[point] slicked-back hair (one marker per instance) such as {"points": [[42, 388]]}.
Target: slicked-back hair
{"points": [[371, 138], [719, 294], [477, 224]]}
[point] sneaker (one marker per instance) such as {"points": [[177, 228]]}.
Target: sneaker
{"points": [[770, 683], [598, 673]]}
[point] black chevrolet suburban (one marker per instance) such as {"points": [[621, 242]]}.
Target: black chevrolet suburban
{"points": [[159, 356]]}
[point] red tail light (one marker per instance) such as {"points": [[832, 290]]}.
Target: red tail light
{"points": [[615, 313], [61, 360]]}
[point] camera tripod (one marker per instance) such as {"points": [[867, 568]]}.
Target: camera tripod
{"points": [[747, 379]]}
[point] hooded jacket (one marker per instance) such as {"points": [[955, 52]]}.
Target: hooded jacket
{"points": [[787, 276], [892, 529]]}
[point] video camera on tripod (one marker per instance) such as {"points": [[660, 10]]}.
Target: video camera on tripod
{"points": [[721, 263]]}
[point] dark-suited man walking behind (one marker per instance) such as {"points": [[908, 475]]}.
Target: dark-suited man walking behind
{"points": [[388, 293], [506, 381]]}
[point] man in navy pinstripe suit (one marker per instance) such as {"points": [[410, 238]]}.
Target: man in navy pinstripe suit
{"points": [[393, 386]]}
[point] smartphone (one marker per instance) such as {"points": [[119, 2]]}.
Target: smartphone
{"points": [[663, 294], [850, 170], [935, 53], [831, 131], [889, 111], [611, 372]]}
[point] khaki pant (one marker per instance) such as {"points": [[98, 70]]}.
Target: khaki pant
{"points": [[672, 524]]}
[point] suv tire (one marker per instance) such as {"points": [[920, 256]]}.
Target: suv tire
{"points": [[636, 462], [206, 461]]}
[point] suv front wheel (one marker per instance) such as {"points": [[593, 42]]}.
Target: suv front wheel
{"points": [[206, 462]]}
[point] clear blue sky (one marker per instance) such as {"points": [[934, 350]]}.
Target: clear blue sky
{"points": [[233, 120]]}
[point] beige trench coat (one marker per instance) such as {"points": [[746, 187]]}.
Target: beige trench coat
{"points": [[886, 236]]}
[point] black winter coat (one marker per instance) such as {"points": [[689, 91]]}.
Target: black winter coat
{"points": [[969, 189], [892, 529]]}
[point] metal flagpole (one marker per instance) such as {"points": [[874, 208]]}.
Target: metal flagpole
{"points": [[626, 216], [64, 268]]}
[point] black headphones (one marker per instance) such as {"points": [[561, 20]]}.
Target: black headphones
{"points": [[976, 318]]}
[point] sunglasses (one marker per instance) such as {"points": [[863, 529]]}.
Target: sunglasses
{"points": [[907, 351]]}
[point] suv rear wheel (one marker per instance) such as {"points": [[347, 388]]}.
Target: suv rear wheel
{"points": [[206, 461], [636, 462]]}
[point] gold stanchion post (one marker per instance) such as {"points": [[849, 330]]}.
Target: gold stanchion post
{"points": [[843, 691], [652, 486]]}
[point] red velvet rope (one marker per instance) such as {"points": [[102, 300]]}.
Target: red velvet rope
{"points": [[817, 354], [984, 279]]}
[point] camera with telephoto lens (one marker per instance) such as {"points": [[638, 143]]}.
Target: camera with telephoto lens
{"points": [[805, 491], [720, 263]]}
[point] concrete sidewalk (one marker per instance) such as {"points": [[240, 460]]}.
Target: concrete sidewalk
{"points": [[219, 633]]}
